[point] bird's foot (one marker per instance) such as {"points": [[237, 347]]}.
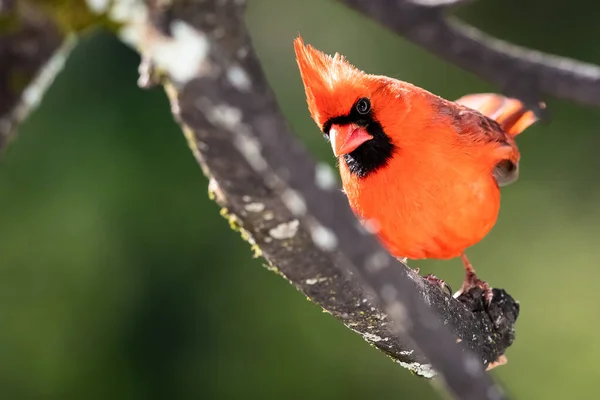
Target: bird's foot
{"points": [[472, 282], [431, 278]]}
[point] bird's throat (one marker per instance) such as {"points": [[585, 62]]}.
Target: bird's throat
{"points": [[372, 155]]}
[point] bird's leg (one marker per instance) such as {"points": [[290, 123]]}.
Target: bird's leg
{"points": [[471, 279]]}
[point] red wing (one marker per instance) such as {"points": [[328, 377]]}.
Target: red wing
{"points": [[488, 117], [510, 113]]}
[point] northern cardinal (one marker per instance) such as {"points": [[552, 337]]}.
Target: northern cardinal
{"points": [[425, 171]]}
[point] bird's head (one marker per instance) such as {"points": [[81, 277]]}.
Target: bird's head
{"points": [[350, 107]]}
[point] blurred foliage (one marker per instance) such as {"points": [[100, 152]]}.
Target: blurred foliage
{"points": [[119, 279]]}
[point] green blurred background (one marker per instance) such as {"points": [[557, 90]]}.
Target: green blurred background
{"points": [[119, 279]]}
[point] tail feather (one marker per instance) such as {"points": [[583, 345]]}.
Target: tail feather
{"points": [[510, 113]]}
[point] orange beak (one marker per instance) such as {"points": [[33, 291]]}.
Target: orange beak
{"points": [[346, 138]]}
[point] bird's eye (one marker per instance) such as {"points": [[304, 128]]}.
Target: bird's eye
{"points": [[363, 106]]}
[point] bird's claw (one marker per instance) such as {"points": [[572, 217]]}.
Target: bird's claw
{"points": [[472, 282], [431, 278]]}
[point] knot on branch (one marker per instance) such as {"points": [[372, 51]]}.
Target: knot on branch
{"points": [[497, 313]]}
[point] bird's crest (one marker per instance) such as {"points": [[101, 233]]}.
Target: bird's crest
{"points": [[331, 84]]}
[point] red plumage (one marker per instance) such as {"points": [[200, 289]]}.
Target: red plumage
{"points": [[426, 171]]}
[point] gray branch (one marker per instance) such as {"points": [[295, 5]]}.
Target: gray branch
{"points": [[519, 72], [32, 52], [296, 218], [283, 202]]}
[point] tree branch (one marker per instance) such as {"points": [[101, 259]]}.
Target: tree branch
{"points": [[286, 205], [294, 216], [33, 51], [520, 72], [282, 199]]}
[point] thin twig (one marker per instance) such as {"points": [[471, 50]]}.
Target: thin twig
{"points": [[520, 72], [32, 52]]}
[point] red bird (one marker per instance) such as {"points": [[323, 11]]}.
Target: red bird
{"points": [[424, 170]]}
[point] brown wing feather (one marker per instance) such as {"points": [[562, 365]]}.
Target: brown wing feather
{"points": [[509, 113], [494, 118]]}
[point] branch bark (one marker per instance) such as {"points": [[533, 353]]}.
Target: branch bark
{"points": [[32, 52], [520, 72], [300, 223]]}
